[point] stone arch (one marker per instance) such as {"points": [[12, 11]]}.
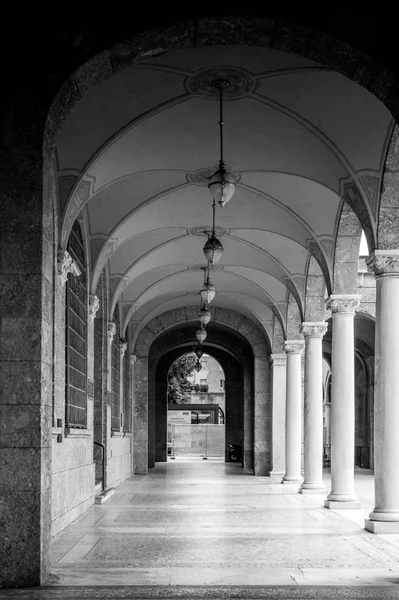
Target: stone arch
{"points": [[315, 292], [346, 259], [172, 327], [388, 216]]}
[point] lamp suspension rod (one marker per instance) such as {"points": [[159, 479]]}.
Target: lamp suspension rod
{"points": [[213, 216], [221, 122]]}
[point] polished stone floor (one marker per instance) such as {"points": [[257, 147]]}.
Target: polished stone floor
{"points": [[195, 528]]}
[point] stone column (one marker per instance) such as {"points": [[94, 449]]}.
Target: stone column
{"points": [[385, 516], [248, 456], [342, 403], [279, 362], [122, 391], [140, 417], [293, 425], [313, 413], [132, 361]]}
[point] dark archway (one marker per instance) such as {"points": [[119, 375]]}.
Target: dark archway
{"points": [[235, 355]]}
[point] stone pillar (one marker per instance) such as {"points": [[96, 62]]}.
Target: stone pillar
{"points": [[132, 361], [293, 421], [385, 516], [342, 403], [262, 446], [313, 413], [140, 417], [248, 456], [279, 362]]}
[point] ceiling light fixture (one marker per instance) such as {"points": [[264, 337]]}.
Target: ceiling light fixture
{"points": [[204, 315], [201, 334], [213, 248], [208, 292], [198, 351], [198, 366], [221, 186]]}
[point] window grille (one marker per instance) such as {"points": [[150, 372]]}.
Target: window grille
{"points": [[127, 405], [76, 336], [115, 379]]}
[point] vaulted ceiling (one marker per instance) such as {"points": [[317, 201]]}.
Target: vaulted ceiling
{"points": [[147, 140]]}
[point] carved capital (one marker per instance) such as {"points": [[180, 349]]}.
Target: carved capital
{"points": [[94, 305], [122, 348], [294, 346], [111, 332], [66, 265], [343, 303], [314, 329], [133, 359], [278, 360], [384, 263]]}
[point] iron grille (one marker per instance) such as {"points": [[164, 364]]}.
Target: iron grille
{"points": [[115, 382], [127, 405], [75, 338]]}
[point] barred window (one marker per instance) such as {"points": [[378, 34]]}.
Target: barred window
{"points": [[76, 336], [127, 404], [115, 377]]}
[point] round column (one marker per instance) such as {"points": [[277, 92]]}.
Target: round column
{"points": [[385, 516], [342, 403], [313, 413], [293, 349], [279, 379]]}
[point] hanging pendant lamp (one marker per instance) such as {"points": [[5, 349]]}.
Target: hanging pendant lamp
{"points": [[198, 351], [221, 186], [208, 292], [204, 315], [201, 334], [213, 248], [198, 366]]}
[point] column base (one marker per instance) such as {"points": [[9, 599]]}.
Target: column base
{"points": [[292, 479], [312, 488], [342, 505], [381, 526], [276, 473]]}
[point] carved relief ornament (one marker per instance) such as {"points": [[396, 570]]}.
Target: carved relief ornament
{"points": [[94, 305], [343, 303], [294, 346], [111, 332], [384, 263], [122, 348], [314, 329], [133, 359], [66, 265], [278, 360]]}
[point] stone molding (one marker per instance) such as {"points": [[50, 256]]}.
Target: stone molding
{"points": [[316, 329], [278, 360], [384, 263], [133, 359], [343, 303], [111, 332], [122, 348], [66, 265], [94, 305], [294, 346]]}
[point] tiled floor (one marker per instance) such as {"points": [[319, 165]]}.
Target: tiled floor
{"points": [[191, 523]]}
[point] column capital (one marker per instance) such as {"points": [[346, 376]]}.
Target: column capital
{"points": [[294, 346], [343, 303], [122, 348], [278, 360], [111, 332], [133, 359], [384, 263], [66, 265], [94, 305], [315, 329]]}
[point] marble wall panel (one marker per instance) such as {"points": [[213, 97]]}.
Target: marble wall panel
{"points": [[25, 425], [20, 382], [25, 469], [70, 488]]}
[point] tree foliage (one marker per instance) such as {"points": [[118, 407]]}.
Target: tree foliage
{"points": [[179, 387]]}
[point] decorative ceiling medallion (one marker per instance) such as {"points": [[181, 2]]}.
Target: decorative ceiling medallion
{"points": [[207, 229], [201, 84], [203, 176]]}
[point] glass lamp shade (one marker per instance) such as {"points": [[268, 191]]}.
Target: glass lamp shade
{"points": [[222, 186], [200, 335], [213, 249], [198, 352], [204, 316], [198, 366], [208, 292]]}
